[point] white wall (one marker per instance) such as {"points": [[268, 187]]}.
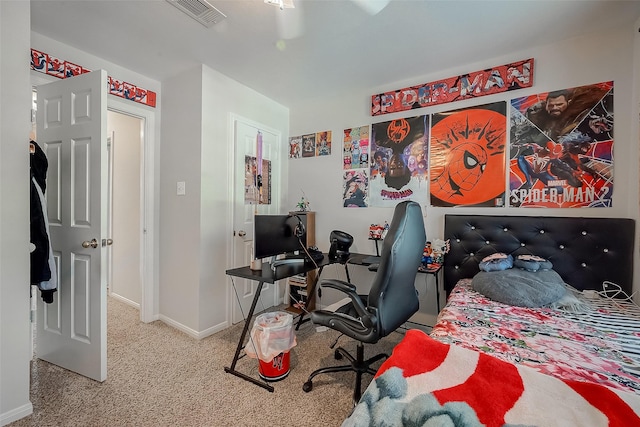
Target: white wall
{"points": [[180, 215], [197, 148], [15, 104], [580, 61]]}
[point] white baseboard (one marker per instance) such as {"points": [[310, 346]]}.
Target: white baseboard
{"points": [[125, 300], [192, 332], [16, 414]]}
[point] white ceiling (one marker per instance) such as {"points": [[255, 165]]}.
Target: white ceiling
{"points": [[342, 46]]}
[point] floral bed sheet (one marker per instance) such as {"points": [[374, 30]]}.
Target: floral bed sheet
{"points": [[600, 345]]}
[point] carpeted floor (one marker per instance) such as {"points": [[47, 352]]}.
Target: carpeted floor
{"points": [[158, 376]]}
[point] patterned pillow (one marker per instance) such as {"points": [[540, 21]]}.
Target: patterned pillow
{"points": [[532, 263], [496, 262]]}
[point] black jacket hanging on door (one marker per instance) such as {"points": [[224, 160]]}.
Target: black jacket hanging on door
{"points": [[41, 273]]}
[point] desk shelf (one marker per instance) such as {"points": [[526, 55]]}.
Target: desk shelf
{"points": [[295, 283]]}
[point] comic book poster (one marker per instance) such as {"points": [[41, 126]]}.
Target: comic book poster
{"points": [[355, 189], [255, 194], [561, 152], [355, 150], [467, 164], [399, 150], [323, 143], [295, 147], [309, 145]]}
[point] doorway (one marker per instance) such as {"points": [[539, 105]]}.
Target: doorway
{"points": [[141, 210], [125, 201], [245, 137]]}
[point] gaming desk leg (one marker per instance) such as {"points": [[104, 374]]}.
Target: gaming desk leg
{"points": [[232, 369], [311, 294]]}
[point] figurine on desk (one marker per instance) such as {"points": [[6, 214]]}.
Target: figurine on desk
{"points": [[433, 254], [427, 255]]}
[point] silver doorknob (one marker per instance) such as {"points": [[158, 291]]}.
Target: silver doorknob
{"points": [[93, 243], [241, 233]]}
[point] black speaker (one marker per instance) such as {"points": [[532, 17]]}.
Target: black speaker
{"points": [[340, 244]]}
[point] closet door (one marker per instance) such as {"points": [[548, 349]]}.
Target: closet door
{"points": [[72, 129]]}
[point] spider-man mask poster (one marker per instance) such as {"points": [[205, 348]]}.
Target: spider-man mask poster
{"points": [[399, 150], [562, 148], [468, 157]]}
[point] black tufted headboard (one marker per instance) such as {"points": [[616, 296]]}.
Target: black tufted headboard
{"points": [[584, 251]]}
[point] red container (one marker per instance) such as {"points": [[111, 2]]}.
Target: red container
{"points": [[276, 369]]}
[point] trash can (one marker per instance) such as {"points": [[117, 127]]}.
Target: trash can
{"points": [[270, 340]]}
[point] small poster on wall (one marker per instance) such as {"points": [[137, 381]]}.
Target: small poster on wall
{"points": [[562, 148], [355, 152], [355, 189], [399, 164], [255, 194], [468, 156], [295, 147], [309, 145], [323, 143]]}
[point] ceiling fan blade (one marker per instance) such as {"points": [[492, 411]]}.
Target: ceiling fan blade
{"points": [[290, 22], [372, 7]]}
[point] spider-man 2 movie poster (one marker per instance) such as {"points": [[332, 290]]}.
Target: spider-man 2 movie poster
{"points": [[467, 163], [399, 152], [562, 148]]}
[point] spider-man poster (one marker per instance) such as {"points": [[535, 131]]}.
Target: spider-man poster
{"points": [[399, 150], [468, 156], [562, 148]]}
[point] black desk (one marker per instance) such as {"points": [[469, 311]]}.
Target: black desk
{"points": [[435, 272], [267, 275]]}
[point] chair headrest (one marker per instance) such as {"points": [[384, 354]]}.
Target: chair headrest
{"points": [[340, 244]]}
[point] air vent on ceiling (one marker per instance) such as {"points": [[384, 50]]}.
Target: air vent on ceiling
{"points": [[200, 10]]}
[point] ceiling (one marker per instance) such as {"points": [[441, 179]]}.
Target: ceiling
{"points": [[340, 46]]}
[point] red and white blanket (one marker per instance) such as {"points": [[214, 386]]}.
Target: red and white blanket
{"points": [[429, 383]]}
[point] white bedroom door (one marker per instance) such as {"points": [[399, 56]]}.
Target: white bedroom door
{"points": [[72, 130], [245, 133]]}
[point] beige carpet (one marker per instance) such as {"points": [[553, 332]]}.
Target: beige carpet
{"points": [[158, 376]]}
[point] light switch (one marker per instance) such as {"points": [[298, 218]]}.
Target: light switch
{"points": [[181, 189]]}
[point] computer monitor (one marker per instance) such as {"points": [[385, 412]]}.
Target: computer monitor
{"points": [[278, 234]]}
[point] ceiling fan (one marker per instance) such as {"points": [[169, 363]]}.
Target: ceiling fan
{"points": [[291, 24]]}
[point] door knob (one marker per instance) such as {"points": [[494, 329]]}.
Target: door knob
{"points": [[242, 233], [93, 243]]}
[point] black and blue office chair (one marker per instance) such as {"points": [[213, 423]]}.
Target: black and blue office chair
{"points": [[392, 299]]}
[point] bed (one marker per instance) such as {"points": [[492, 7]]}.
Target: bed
{"points": [[492, 363]]}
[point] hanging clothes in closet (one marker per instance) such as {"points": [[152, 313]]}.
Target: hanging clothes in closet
{"points": [[43, 267]]}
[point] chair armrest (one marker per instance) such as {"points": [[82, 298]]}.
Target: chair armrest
{"points": [[341, 285], [350, 290]]}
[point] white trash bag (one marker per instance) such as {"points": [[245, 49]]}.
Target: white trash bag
{"points": [[271, 335]]}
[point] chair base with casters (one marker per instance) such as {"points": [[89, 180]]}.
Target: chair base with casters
{"points": [[357, 365]]}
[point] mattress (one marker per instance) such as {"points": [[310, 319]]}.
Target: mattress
{"points": [[598, 344], [490, 364]]}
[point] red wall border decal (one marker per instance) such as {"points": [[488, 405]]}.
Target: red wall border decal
{"points": [[503, 78]]}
